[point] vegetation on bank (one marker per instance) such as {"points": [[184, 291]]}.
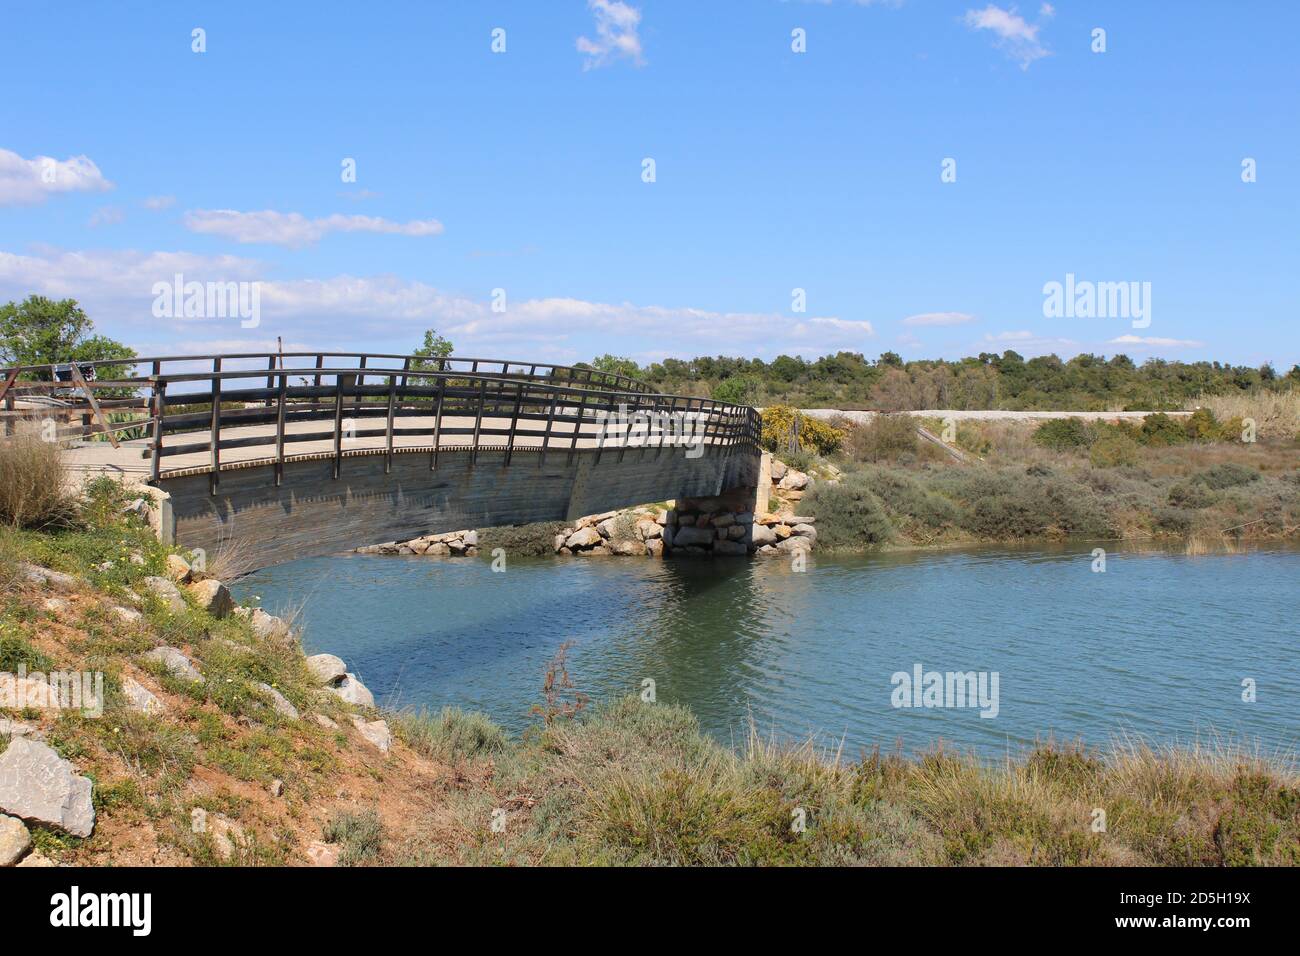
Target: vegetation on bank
{"points": [[987, 381], [1189, 478]]}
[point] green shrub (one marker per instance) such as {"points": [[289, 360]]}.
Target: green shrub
{"points": [[1187, 494], [1112, 450], [884, 438], [848, 514], [450, 734], [528, 540], [1227, 475], [904, 496], [1202, 426], [779, 425], [361, 836], [1159, 430], [1063, 434]]}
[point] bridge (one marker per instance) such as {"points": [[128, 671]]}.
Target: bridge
{"points": [[292, 454]]}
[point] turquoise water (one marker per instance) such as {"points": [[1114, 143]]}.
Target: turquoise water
{"points": [[1158, 645]]}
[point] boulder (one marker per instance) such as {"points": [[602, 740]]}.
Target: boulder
{"points": [[793, 545], [376, 732], [39, 786], [352, 691], [655, 547], [647, 529], [692, 537], [227, 836], [470, 538], [606, 527], [14, 840], [56, 605], [793, 481], [320, 853], [667, 536], [796, 519], [768, 549], [32, 574], [584, 537], [627, 547], [782, 531], [591, 520], [212, 596], [176, 663], [167, 592], [268, 626], [327, 668], [439, 549], [806, 531], [763, 534], [768, 518], [325, 722], [666, 516], [139, 698], [126, 615], [35, 860], [778, 469], [279, 701]]}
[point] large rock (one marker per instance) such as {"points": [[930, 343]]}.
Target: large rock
{"points": [[692, 537], [655, 547], [778, 469], [327, 668], [33, 574], [607, 527], [806, 531], [39, 786], [627, 547], [268, 626], [178, 569], [14, 840], [167, 592], [126, 615], [279, 701], [212, 596], [793, 545], [376, 732], [583, 538], [352, 691], [35, 860], [647, 529], [139, 698], [793, 481], [470, 538], [176, 663]]}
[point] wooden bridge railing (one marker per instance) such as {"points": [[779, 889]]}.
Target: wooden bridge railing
{"points": [[429, 405]]}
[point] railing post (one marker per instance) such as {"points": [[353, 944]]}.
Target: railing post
{"points": [[320, 362], [388, 431], [577, 428], [159, 406], [514, 422], [546, 436], [215, 441], [478, 420], [279, 430], [270, 379], [338, 425], [437, 423], [604, 429]]}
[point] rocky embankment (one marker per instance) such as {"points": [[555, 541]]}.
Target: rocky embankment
{"points": [[41, 791], [725, 525]]}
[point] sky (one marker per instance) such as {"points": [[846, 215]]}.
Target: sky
{"points": [[866, 176]]}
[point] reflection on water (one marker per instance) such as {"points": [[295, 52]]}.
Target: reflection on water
{"points": [[1158, 644]]}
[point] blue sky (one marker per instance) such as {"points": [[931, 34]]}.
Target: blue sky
{"points": [[775, 170]]}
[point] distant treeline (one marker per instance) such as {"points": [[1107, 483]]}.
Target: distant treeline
{"points": [[1008, 381]]}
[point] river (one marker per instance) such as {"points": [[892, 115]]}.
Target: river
{"points": [[1157, 645]]}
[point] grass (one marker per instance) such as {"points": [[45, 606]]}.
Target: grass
{"points": [[1276, 414], [33, 483], [360, 836], [631, 783], [449, 735]]}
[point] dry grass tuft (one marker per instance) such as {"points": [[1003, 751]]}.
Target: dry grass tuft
{"points": [[34, 490]]}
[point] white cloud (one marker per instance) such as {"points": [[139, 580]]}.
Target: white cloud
{"points": [[107, 216], [1152, 340], [293, 229], [386, 312], [939, 318], [27, 182], [159, 203], [1015, 36], [616, 34]]}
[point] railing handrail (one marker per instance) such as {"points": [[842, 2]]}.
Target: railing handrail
{"points": [[616, 377]]}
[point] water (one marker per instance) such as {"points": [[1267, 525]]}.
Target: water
{"points": [[1158, 645]]}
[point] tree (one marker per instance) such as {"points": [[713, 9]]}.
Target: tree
{"points": [[616, 365], [434, 347], [41, 331]]}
